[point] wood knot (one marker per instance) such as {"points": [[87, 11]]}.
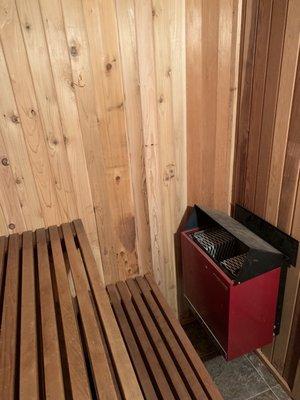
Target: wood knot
{"points": [[66, 139], [161, 99], [5, 161], [55, 141], [118, 179], [108, 66], [15, 119], [11, 226], [73, 51], [27, 26], [18, 181], [33, 112]]}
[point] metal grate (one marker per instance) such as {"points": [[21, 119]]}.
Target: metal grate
{"points": [[234, 264], [217, 242]]}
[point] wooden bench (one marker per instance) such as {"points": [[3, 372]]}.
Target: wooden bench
{"points": [[64, 336]]}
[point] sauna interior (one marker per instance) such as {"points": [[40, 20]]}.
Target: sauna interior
{"points": [[124, 114]]}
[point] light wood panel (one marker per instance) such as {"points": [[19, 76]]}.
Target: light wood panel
{"points": [[267, 147], [92, 126], [213, 35]]}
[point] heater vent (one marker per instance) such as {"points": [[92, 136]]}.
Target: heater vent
{"points": [[234, 264], [217, 242]]}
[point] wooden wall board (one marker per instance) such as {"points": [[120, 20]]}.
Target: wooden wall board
{"points": [[78, 133], [134, 122], [21, 79], [267, 180], [213, 36]]}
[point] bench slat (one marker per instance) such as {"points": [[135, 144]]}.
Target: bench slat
{"points": [[76, 365], [9, 334], [101, 372], [176, 351], [144, 343], [186, 345], [127, 377], [29, 381], [3, 245], [159, 345], [136, 358], [53, 378]]}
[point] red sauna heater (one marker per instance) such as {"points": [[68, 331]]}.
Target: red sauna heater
{"points": [[231, 281]]}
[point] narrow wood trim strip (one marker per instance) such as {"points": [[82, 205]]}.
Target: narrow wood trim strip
{"points": [[29, 382], [127, 377], [132, 347], [160, 347], [101, 373], [76, 364], [9, 335], [53, 379], [189, 350]]}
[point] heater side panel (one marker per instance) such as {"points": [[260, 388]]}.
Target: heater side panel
{"points": [[252, 313]]}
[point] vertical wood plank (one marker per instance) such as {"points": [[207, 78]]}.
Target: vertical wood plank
{"points": [[247, 59], [292, 164], [72, 133], [260, 67], [108, 159], [131, 81], [20, 75], [284, 106], [38, 58], [146, 64], [13, 138], [277, 35]]}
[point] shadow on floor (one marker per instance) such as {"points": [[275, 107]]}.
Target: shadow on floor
{"points": [[241, 379]]}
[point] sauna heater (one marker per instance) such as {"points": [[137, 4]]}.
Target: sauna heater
{"points": [[231, 280]]}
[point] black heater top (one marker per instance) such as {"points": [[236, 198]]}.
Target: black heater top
{"points": [[237, 250]]}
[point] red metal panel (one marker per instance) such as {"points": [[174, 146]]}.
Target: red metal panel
{"points": [[252, 313], [206, 290], [240, 316]]}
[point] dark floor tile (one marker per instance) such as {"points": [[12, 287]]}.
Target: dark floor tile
{"points": [[237, 379], [268, 395], [280, 393], [262, 369]]}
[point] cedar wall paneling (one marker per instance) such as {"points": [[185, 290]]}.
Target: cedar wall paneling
{"points": [[92, 125], [266, 173], [213, 36]]}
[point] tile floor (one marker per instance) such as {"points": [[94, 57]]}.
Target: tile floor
{"points": [[240, 379]]}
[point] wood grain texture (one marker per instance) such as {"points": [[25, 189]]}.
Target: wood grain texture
{"points": [[84, 132], [267, 152], [213, 32]]}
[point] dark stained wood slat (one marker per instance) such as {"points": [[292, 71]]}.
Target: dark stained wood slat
{"points": [[140, 368], [188, 348], [277, 34], [53, 379], [159, 345], [101, 373], [148, 352], [29, 379], [76, 364], [177, 353], [3, 250], [291, 166], [260, 67], [8, 338], [126, 374]]}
